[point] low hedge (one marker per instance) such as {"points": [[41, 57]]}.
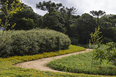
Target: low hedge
{"points": [[32, 42]]}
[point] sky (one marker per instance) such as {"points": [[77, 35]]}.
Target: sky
{"points": [[82, 6]]}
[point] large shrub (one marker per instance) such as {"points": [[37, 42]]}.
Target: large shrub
{"points": [[33, 42]]}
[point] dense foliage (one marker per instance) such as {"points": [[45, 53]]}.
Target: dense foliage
{"points": [[33, 42], [54, 22], [106, 52], [40, 43], [61, 18]]}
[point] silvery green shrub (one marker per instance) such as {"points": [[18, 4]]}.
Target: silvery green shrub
{"points": [[33, 42]]}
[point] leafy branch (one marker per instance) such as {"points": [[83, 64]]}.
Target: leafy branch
{"points": [[8, 13]]}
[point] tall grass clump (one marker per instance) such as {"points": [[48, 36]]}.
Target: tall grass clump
{"points": [[33, 42]]}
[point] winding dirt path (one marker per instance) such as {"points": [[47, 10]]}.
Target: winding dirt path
{"points": [[40, 64]]}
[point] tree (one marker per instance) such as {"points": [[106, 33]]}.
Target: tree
{"points": [[67, 12], [84, 27], [10, 1], [24, 24], [8, 14], [95, 40], [54, 21], [106, 22], [27, 15], [70, 11], [98, 14], [102, 51], [63, 12], [48, 6], [69, 20], [110, 33], [9, 4], [113, 18]]}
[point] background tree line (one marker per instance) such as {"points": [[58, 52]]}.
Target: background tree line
{"points": [[61, 18]]}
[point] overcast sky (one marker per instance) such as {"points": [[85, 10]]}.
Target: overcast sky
{"points": [[83, 6]]}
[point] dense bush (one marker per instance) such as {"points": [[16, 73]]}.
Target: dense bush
{"points": [[33, 42]]}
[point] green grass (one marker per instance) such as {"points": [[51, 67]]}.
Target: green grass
{"points": [[8, 70], [81, 63]]}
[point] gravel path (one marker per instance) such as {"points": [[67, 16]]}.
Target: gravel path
{"points": [[40, 64]]}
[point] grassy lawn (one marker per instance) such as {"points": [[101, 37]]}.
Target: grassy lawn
{"points": [[81, 63], [8, 70]]}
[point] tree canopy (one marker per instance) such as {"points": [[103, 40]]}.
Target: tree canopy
{"points": [[48, 6], [65, 20]]}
